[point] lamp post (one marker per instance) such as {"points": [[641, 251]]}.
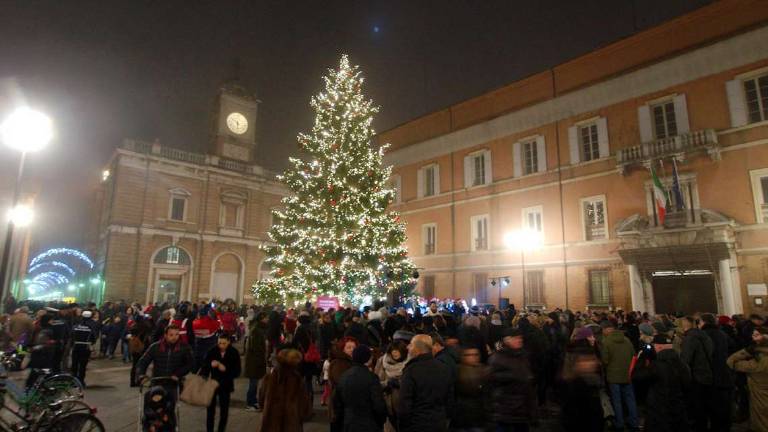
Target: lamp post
{"points": [[25, 130], [524, 240]]}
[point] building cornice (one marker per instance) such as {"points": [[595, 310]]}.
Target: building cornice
{"points": [[736, 51]]}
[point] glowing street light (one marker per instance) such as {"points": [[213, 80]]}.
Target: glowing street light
{"points": [[523, 240], [21, 215], [25, 130]]}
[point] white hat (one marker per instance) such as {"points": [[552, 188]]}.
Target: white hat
{"points": [[87, 314]]}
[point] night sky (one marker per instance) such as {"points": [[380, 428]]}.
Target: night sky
{"points": [[107, 70]]}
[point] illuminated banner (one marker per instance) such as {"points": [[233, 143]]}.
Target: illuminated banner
{"points": [[327, 302]]}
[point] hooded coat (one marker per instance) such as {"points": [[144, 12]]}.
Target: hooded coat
{"points": [[755, 365], [360, 397], [286, 403], [513, 393]]}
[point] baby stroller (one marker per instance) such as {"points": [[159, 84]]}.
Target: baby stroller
{"points": [[158, 405]]}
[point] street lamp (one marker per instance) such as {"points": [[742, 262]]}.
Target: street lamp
{"points": [[524, 240], [21, 215], [25, 130]]}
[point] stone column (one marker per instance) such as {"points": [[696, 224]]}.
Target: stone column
{"points": [[636, 289], [727, 290]]}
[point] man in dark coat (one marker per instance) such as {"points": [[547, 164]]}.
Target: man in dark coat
{"points": [[426, 391], [697, 349], [667, 378], [722, 378], [360, 396], [513, 395], [171, 357], [255, 358], [445, 355], [222, 363]]}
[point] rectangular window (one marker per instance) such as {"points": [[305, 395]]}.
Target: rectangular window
{"points": [[178, 205], [395, 184], [664, 122], [599, 287], [480, 232], [764, 193], [428, 287], [230, 215], [478, 169], [429, 233], [530, 157], [594, 218], [429, 180], [534, 287], [590, 148], [172, 255], [756, 93], [532, 219]]}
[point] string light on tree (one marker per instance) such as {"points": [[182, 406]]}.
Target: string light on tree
{"points": [[334, 235]]}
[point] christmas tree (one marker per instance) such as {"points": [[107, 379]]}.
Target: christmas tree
{"points": [[334, 235]]}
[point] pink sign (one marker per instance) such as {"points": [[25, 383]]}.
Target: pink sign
{"points": [[327, 302]]}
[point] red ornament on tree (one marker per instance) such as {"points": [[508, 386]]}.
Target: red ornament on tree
{"points": [[333, 202]]}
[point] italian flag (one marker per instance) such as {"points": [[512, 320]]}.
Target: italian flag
{"points": [[659, 196]]}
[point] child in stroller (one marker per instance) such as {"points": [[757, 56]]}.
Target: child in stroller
{"points": [[159, 410]]}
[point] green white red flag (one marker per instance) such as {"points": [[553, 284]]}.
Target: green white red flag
{"points": [[659, 197]]}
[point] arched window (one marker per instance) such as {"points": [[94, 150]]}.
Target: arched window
{"points": [[172, 255]]}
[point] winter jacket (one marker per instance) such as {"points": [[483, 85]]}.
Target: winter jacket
{"points": [[340, 363], [255, 364], [755, 365], [21, 325], [722, 376], [697, 349], [231, 362], [581, 407], [284, 396], [617, 352], [471, 397], [359, 396], [169, 360], [668, 379], [389, 372], [513, 393], [450, 359], [426, 395]]}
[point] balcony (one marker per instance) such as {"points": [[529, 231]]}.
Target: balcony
{"points": [[678, 146], [429, 249]]}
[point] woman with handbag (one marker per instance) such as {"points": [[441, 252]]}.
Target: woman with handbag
{"points": [[222, 363]]}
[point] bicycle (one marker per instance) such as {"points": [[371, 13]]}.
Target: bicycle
{"points": [[47, 389]]}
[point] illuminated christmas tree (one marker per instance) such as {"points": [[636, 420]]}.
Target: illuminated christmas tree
{"points": [[334, 235]]}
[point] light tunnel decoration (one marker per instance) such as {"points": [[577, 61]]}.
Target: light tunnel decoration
{"points": [[61, 251], [52, 278], [56, 264]]}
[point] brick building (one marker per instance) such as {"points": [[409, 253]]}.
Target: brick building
{"points": [[566, 152], [180, 225]]}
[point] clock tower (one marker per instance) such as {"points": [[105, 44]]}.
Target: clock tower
{"points": [[234, 123]]}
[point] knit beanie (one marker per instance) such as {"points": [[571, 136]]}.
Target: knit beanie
{"points": [[361, 354], [724, 320]]}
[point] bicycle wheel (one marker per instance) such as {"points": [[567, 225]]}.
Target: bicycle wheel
{"points": [[77, 422], [60, 387]]}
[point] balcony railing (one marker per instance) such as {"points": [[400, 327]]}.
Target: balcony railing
{"points": [[700, 140], [481, 243], [190, 157], [596, 232], [429, 249]]}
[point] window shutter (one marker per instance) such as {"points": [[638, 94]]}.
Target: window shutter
{"points": [[681, 114], [517, 160], [437, 179], [541, 154], [602, 137], [487, 162], [736, 103], [644, 122], [573, 143], [420, 183], [467, 171]]}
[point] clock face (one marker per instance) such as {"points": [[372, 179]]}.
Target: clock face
{"points": [[237, 123]]}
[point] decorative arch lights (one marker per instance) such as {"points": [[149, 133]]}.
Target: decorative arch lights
{"points": [[56, 264], [62, 251]]}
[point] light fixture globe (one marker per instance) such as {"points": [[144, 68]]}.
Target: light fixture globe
{"points": [[21, 215], [26, 130]]}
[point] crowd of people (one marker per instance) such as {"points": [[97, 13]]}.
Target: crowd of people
{"points": [[438, 369]]}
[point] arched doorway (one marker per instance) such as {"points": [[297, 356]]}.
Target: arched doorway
{"points": [[225, 283], [169, 275]]}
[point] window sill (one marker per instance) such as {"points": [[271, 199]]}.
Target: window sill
{"points": [[185, 222], [231, 231], [742, 128]]}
